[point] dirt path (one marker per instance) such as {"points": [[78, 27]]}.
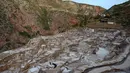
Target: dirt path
{"points": [[104, 26]]}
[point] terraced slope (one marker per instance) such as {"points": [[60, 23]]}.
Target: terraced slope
{"points": [[75, 49]]}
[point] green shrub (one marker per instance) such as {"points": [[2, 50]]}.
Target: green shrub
{"points": [[84, 19], [28, 28], [43, 18], [25, 34]]}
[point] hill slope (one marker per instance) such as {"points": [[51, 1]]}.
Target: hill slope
{"points": [[121, 13], [25, 19]]}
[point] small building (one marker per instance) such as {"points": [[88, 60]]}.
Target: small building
{"points": [[110, 22], [102, 15], [106, 18]]}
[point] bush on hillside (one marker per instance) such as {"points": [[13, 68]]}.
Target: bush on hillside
{"points": [[43, 19], [5, 25]]}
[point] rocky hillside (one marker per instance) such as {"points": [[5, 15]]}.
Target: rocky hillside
{"points": [[21, 20], [121, 13]]}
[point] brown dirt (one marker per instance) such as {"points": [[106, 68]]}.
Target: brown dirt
{"points": [[104, 25]]}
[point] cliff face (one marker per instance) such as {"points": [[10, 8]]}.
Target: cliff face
{"points": [[24, 19], [121, 13]]}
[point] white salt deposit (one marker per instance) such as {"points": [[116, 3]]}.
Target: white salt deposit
{"points": [[34, 69], [102, 53]]}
